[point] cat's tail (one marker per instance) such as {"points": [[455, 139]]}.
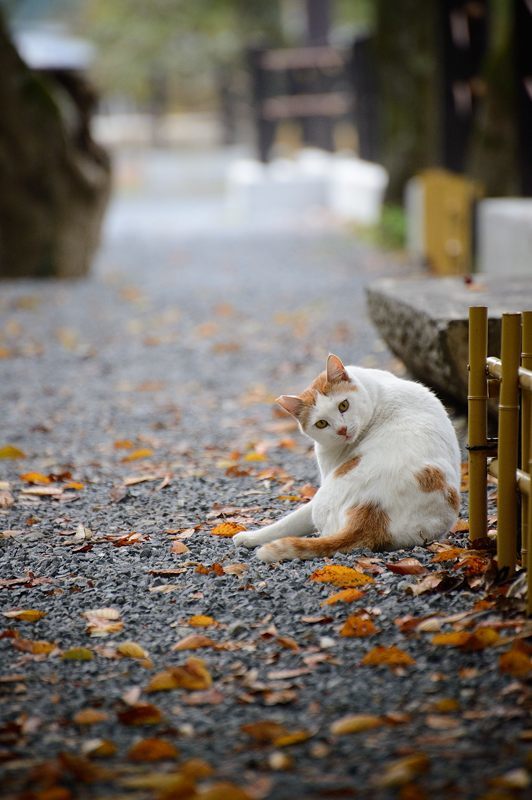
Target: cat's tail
{"points": [[365, 526]]}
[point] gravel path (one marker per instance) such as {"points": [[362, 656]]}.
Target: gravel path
{"points": [[145, 393]]}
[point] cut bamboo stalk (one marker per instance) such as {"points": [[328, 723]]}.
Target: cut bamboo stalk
{"points": [[508, 441], [526, 411], [477, 401]]}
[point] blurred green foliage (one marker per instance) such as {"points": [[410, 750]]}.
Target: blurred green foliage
{"points": [[390, 232]]}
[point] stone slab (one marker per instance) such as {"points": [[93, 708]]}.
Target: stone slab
{"points": [[424, 321]]}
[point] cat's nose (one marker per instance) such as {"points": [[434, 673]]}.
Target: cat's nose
{"points": [[342, 431]]}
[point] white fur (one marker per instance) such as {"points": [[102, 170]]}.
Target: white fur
{"points": [[397, 427]]}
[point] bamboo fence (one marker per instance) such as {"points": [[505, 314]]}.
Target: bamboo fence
{"points": [[509, 456]]}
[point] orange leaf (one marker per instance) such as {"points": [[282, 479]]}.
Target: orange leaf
{"points": [[227, 529], [136, 455], [152, 749], [123, 444], [34, 477], [345, 596], [515, 663], [475, 640], [264, 732], [194, 642], [389, 656], [460, 526], [358, 626], [341, 576], [36, 648], [76, 485], [292, 737], [201, 621], [193, 675], [449, 554], [406, 566]]}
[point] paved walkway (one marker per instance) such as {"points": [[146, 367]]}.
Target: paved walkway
{"points": [[145, 393]]}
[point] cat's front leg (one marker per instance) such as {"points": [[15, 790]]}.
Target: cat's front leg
{"points": [[298, 523]]}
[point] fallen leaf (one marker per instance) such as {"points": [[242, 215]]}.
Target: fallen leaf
{"points": [[468, 641], [167, 784], [25, 615], [193, 675], [340, 576], [406, 566], [123, 444], [179, 548], [35, 477], [265, 731], [227, 529], [43, 491], [78, 654], [358, 626], [102, 621], [516, 663], [36, 648], [235, 569], [136, 455], [94, 748], [389, 656], [224, 790], [10, 451], [201, 621], [131, 650], [152, 749], [344, 596], [89, 716], [210, 697], [403, 770], [355, 723], [293, 737], [194, 642], [140, 714]]}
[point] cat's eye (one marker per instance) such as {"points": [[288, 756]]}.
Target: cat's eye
{"points": [[321, 423], [344, 405]]}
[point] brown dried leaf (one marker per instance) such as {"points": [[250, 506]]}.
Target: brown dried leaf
{"points": [[89, 716], [193, 675], [403, 771], [406, 566], [25, 615], [179, 548], [194, 642], [152, 749], [140, 714]]}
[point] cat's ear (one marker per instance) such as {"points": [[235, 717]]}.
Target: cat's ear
{"points": [[335, 370], [291, 403]]}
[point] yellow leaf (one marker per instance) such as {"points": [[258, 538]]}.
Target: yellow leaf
{"points": [[76, 485], [36, 648], [10, 451], [123, 444], [193, 676], [469, 641], [136, 455], [389, 656], [341, 576], [254, 457], [293, 737], [25, 615], [152, 749], [34, 477], [344, 596], [403, 771], [227, 529], [131, 650], [354, 723], [358, 626], [89, 716], [78, 654], [201, 621]]}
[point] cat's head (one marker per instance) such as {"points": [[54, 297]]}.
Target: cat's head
{"points": [[332, 410]]}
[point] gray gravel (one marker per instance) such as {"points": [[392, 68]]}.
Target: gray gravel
{"points": [[177, 343]]}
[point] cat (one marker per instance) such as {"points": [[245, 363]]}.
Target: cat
{"points": [[389, 461]]}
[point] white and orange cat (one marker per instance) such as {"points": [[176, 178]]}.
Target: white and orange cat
{"points": [[389, 462]]}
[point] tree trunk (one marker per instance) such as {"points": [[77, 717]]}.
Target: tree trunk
{"points": [[54, 179]]}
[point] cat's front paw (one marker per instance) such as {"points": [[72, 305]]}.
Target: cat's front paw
{"points": [[244, 539]]}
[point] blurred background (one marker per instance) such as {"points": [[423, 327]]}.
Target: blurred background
{"points": [[398, 117]]}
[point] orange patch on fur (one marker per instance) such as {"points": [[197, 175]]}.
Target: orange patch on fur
{"points": [[346, 467], [365, 526], [453, 498], [321, 385], [431, 479]]}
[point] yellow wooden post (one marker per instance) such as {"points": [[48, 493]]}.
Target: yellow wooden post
{"points": [[526, 412], [528, 563], [508, 441], [477, 401]]}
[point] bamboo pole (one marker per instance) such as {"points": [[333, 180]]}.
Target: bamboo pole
{"points": [[477, 401], [526, 411], [508, 441], [528, 563]]}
